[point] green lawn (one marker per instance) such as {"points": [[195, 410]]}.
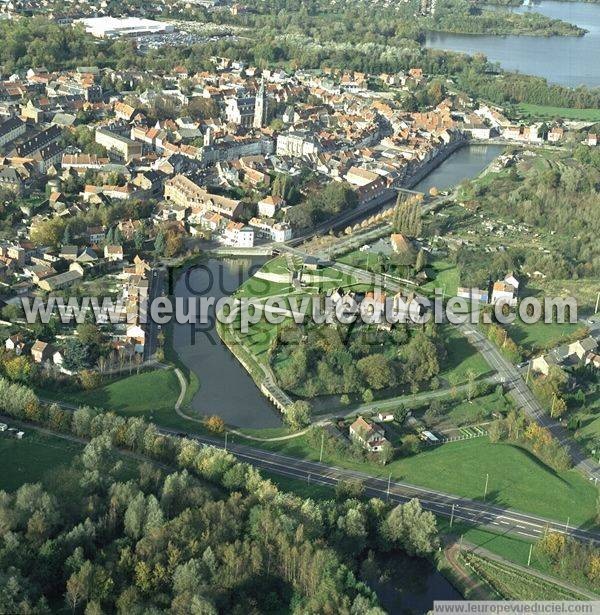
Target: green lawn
{"points": [[541, 336], [462, 357], [517, 480], [478, 410], [150, 395], [544, 112], [445, 277], [31, 459]]}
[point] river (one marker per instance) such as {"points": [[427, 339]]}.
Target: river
{"points": [[465, 163], [565, 60]]}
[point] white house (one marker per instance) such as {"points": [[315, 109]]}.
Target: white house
{"points": [[269, 206], [238, 235]]}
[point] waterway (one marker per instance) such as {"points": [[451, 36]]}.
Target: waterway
{"points": [[565, 60], [226, 388], [465, 163]]}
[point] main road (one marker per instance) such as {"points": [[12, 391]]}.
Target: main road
{"points": [[458, 509]]}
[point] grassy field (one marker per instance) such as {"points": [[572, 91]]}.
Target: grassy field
{"points": [[462, 357], [541, 336], [515, 584], [31, 459], [543, 112], [445, 276], [517, 480], [150, 395], [468, 413]]}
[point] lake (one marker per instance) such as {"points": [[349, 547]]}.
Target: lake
{"points": [[565, 60]]}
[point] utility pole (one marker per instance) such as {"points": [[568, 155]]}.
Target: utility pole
{"points": [[528, 372], [308, 479], [552, 409], [388, 488], [487, 478], [452, 515], [530, 551], [597, 303], [225, 440], [567, 526], [322, 442]]}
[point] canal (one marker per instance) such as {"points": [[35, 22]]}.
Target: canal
{"points": [[226, 388]]}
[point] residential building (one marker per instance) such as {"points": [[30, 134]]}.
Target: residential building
{"points": [[270, 205], [118, 144], [368, 434], [186, 193], [11, 129]]}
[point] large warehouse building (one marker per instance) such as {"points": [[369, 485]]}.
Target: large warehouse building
{"points": [[113, 27]]}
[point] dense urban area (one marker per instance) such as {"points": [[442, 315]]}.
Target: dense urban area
{"points": [[268, 156]]}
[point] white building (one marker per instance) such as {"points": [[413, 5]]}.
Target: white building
{"points": [[297, 144], [239, 236], [269, 206], [113, 27]]}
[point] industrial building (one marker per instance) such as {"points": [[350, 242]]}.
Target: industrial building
{"points": [[113, 27]]}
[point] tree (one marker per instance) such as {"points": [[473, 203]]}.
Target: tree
{"points": [[159, 243], [400, 414], [215, 423], [421, 262], [89, 333], [78, 355], [66, 240], [349, 489], [138, 238], [298, 414], [377, 371], [471, 384], [173, 243], [368, 396], [410, 528], [386, 454], [18, 369]]}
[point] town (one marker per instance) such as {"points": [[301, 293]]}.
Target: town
{"points": [[153, 159]]}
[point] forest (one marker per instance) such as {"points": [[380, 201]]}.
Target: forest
{"points": [[194, 532]]}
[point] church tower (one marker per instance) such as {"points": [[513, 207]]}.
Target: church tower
{"points": [[260, 106]]}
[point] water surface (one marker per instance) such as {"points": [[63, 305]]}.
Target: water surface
{"points": [[565, 60]]}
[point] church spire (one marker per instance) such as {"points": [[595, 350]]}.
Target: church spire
{"points": [[260, 106]]}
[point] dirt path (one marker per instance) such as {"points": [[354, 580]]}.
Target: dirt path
{"points": [[183, 415], [475, 590]]}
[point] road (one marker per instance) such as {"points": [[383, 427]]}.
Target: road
{"points": [[479, 513], [522, 394], [470, 511], [157, 285]]}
